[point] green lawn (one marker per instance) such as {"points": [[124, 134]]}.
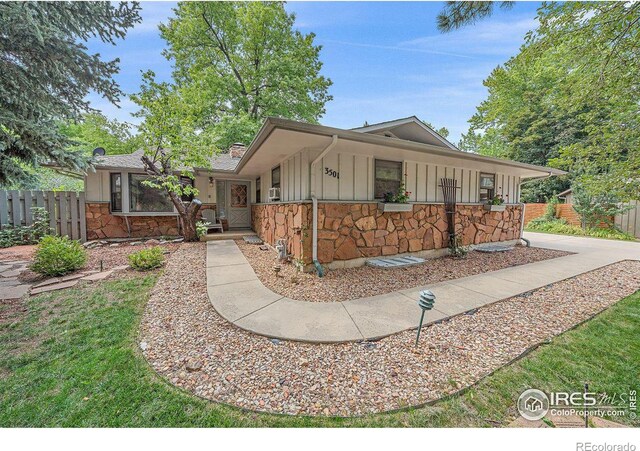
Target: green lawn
{"points": [[560, 227], [73, 361]]}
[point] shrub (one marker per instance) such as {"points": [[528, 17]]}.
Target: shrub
{"points": [[202, 227], [594, 210], [57, 256], [19, 235], [560, 226], [147, 259], [550, 212]]}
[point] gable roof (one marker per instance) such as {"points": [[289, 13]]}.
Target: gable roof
{"points": [[317, 133], [410, 128]]}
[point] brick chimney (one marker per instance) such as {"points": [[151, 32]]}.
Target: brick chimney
{"points": [[237, 150]]}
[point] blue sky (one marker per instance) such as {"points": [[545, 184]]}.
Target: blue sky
{"points": [[386, 59]]}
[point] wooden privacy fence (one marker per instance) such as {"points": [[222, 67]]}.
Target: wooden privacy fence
{"points": [[66, 211], [630, 221]]}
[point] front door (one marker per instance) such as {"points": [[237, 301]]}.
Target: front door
{"points": [[238, 208]]}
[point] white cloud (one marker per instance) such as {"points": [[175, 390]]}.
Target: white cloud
{"points": [[483, 38], [396, 47]]}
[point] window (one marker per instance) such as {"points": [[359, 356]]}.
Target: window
{"points": [[116, 191], [487, 187], [221, 199], [388, 177], [143, 198], [258, 190], [275, 177], [186, 181]]}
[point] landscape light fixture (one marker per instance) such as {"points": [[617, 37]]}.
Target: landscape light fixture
{"points": [[425, 302]]}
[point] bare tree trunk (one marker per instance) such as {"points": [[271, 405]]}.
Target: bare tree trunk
{"points": [[188, 215], [189, 219]]}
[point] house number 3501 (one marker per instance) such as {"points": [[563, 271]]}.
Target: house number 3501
{"points": [[332, 173]]}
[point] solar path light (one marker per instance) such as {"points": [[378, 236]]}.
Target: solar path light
{"points": [[425, 302]]}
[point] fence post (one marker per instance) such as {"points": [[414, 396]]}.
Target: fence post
{"points": [[83, 218], [4, 209], [28, 201], [51, 208], [64, 230], [15, 208], [73, 206]]}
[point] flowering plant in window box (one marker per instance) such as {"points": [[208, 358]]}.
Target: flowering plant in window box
{"points": [[398, 201], [495, 204]]}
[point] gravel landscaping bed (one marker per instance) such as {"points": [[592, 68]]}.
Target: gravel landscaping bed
{"points": [[111, 257], [353, 283], [17, 252], [185, 341]]}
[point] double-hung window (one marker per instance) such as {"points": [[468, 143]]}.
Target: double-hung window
{"points": [[487, 187], [147, 199], [116, 191], [275, 177], [388, 177]]}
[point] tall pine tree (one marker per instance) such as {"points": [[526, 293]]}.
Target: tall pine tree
{"points": [[46, 73]]}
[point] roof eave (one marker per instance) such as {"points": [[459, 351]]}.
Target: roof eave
{"points": [[287, 124]]}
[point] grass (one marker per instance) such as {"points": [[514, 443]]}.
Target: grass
{"points": [[560, 226], [72, 360]]}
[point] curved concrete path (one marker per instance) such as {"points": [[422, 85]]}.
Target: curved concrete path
{"points": [[239, 297]]}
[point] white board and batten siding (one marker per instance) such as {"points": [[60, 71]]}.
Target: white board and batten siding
{"points": [[294, 177], [350, 177], [345, 176], [422, 180]]}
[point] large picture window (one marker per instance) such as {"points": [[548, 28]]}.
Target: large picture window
{"points": [[388, 177], [143, 198], [116, 192], [487, 187], [275, 177]]}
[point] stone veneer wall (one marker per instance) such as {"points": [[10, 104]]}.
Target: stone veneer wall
{"points": [[290, 221], [101, 224], [348, 231]]}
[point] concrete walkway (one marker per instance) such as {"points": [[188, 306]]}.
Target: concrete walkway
{"points": [[238, 295]]}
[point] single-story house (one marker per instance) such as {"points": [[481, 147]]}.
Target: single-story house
{"points": [[321, 189]]}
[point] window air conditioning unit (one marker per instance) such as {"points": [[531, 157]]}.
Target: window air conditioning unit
{"points": [[274, 194]]}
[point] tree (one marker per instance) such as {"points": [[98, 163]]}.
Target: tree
{"points": [[442, 131], [526, 117], [46, 73], [596, 210], [579, 80], [490, 143], [604, 40], [238, 62], [173, 145], [458, 14], [95, 130]]}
